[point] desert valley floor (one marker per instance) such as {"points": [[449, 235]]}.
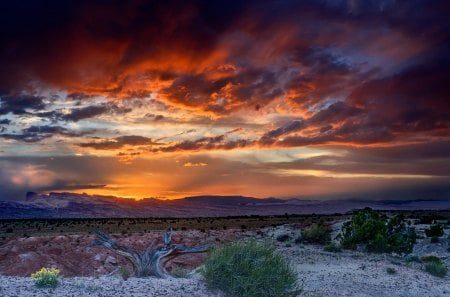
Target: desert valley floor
{"points": [[92, 271]]}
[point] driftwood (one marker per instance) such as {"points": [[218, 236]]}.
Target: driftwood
{"points": [[151, 261]]}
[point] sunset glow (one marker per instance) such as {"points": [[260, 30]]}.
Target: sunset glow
{"points": [[302, 99]]}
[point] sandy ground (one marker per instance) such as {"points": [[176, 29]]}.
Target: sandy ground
{"points": [[359, 274], [349, 273], [353, 274], [106, 287]]}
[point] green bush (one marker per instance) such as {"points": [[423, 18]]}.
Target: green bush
{"points": [[249, 269], [320, 234], [434, 266], [391, 270], [378, 233], [430, 258], [180, 272], [46, 278], [434, 239], [410, 259], [434, 231], [124, 273], [436, 269], [298, 239], [283, 237], [332, 247]]}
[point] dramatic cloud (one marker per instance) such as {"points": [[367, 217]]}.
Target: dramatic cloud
{"points": [[78, 114], [38, 133], [206, 143], [20, 176], [150, 178], [413, 100], [119, 142], [21, 104], [247, 82]]}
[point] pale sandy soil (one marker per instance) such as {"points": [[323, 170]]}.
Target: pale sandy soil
{"points": [[106, 287], [349, 273], [355, 274], [359, 274]]}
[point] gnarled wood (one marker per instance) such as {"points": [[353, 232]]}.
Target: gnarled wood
{"points": [[151, 261]]}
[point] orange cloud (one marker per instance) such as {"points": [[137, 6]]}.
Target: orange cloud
{"points": [[199, 164]]}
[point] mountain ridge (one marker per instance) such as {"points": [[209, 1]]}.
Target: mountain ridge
{"points": [[73, 205]]}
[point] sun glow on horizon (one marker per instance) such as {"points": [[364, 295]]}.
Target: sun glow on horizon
{"points": [[314, 100]]}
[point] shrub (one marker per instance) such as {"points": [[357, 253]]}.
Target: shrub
{"points": [[249, 269], [332, 247], [434, 239], [391, 270], [395, 261], [436, 269], [298, 239], [378, 233], [410, 259], [283, 237], [434, 266], [180, 272], [124, 273], [46, 278], [430, 258], [320, 234], [434, 231]]}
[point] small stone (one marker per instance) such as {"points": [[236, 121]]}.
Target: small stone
{"points": [[111, 260]]}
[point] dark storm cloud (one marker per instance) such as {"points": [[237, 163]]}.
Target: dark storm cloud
{"points": [[79, 96], [38, 133], [429, 159], [92, 111], [250, 88], [297, 47], [5, 122], [351, 132], [354, 125], [383, 65], [44, 174], [272, 135], [413, 100], [32, 33], [335, 113], [437, 150], [219, 142], [20, 104], [119, 142]]}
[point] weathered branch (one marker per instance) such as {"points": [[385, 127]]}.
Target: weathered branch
{"points": [[150, 262]]}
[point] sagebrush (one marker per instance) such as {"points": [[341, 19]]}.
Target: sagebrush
{"points": [[435, 266], [320, 234], [378, 233], [434, 231], [391, 270], [332, 247], [250, 269]]}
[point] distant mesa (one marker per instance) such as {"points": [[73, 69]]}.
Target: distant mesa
{"points": [[239, 200], [31, 195], [73, 205]]}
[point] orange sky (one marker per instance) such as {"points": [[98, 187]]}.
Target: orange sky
{"points": [[285, 99]]}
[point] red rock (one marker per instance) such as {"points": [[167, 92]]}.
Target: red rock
{"points": [[73, 256]]}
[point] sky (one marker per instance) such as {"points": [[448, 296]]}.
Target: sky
{"points": [[168, 99]]}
